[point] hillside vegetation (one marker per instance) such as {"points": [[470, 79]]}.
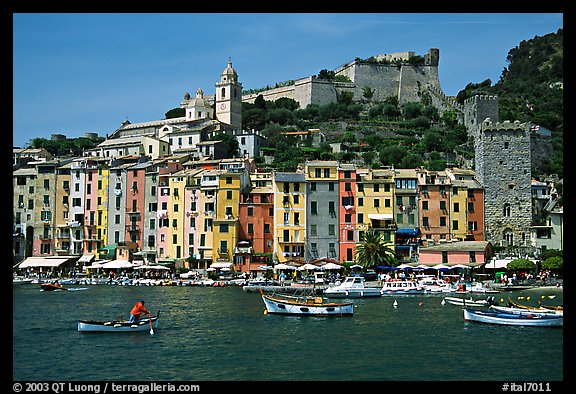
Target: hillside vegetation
{"points": [[385, 133]]}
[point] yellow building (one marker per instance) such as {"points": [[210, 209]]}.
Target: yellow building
{"points": [[289, 215], [375, 206], [177, 209]]}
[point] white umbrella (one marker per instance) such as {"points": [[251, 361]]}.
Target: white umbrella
{"points": [[440, 267], [308, 266], [117, 264], [403, 266], [355, 266], [283, 266], [331, 266], [458, 266]]}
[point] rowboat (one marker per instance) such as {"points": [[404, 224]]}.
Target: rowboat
{"points": [[468, 302], [145, 324], [52, 287], [513, 319], [541, 307], [526, 311], [305, 306], [352, 287]]}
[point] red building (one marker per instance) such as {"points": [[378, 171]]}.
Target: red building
{"points": [[256, 230], [347, 234]]}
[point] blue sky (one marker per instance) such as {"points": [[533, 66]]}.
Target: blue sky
{"points": [[79, 73]]}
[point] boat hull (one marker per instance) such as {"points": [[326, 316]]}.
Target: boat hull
{"points": [[511, 319], [51, 287], [353, 293], [117, 325], [288, 307], [465, 302], [525, 311]]}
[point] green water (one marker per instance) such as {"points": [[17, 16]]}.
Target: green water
{"points": [[222, 334]]}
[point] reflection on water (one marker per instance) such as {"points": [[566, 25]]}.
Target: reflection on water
{"points": [[210, 334]]}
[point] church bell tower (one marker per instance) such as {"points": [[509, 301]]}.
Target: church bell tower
{"points": [[229, 98]]}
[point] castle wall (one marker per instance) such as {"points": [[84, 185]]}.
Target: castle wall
{"points": [[406, 82]]}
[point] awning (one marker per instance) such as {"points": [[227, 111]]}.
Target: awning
{"points": [[497, 263], [380, 216], [221, 265], [412, 232], [49, 261], [86, 258]]}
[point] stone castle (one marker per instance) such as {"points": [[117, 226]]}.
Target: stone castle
{"points": [[388, 75]]}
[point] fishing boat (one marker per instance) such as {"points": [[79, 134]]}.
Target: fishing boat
{"points": [[513, 319], [526, 311], [52, 286], [522, 306], [20, 280], [352, 287], [145, 324], [551, 307], [402, 287], [460, 301], [305, 305]]}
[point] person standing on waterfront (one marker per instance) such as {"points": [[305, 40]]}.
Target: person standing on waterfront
{"points": [[282, 278], [138, 310]]}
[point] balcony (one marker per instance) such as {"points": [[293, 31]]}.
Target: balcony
{"points": [[132, 227]]}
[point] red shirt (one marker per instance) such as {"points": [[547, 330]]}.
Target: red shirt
{"points": [[138, 309]]}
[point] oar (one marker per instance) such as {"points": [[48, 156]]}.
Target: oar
{"points": [[151, 329]]}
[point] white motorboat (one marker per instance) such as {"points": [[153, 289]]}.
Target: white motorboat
{"points": [[401, 287], [436, 285], [352, 287]]}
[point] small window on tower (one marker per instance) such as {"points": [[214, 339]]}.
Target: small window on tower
{"points": [[223, 92]]}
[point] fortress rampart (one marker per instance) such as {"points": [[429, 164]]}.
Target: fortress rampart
{"points": [[403, 80]]}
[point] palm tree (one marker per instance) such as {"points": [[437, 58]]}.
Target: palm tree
{"points": [[372, 250]]}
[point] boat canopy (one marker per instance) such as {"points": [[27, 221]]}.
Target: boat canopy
{"points": [[409, 231]]}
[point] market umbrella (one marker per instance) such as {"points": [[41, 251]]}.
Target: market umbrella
{"points": [[117, 264], [283, 266], [405, 266], [308, 266], [440, 267], [331, 266], [458, 266]]}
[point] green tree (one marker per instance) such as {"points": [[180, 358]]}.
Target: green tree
{"points": [[175, 113], [373, 251], [520, 265]]}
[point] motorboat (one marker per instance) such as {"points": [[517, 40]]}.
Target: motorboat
{"points": [[145, 324], [52, 286], [305, 305], [513, 319], [20, 280], [401, 287], [352, 287], [436, 285]]}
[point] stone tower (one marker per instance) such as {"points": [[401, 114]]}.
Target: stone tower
{"points": [[478, 108], [229, 98], [503, 167]]}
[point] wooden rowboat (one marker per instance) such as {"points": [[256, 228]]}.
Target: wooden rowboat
{"points": [[305, 306], [513, 319], [145, 324]]}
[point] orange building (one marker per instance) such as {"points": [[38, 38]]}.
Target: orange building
{"points": [[347, 231]]}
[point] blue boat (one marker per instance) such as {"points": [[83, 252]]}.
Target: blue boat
{"points": [[513, 319]]}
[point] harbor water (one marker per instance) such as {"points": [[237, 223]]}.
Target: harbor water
{"points": [[222, 334]]}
